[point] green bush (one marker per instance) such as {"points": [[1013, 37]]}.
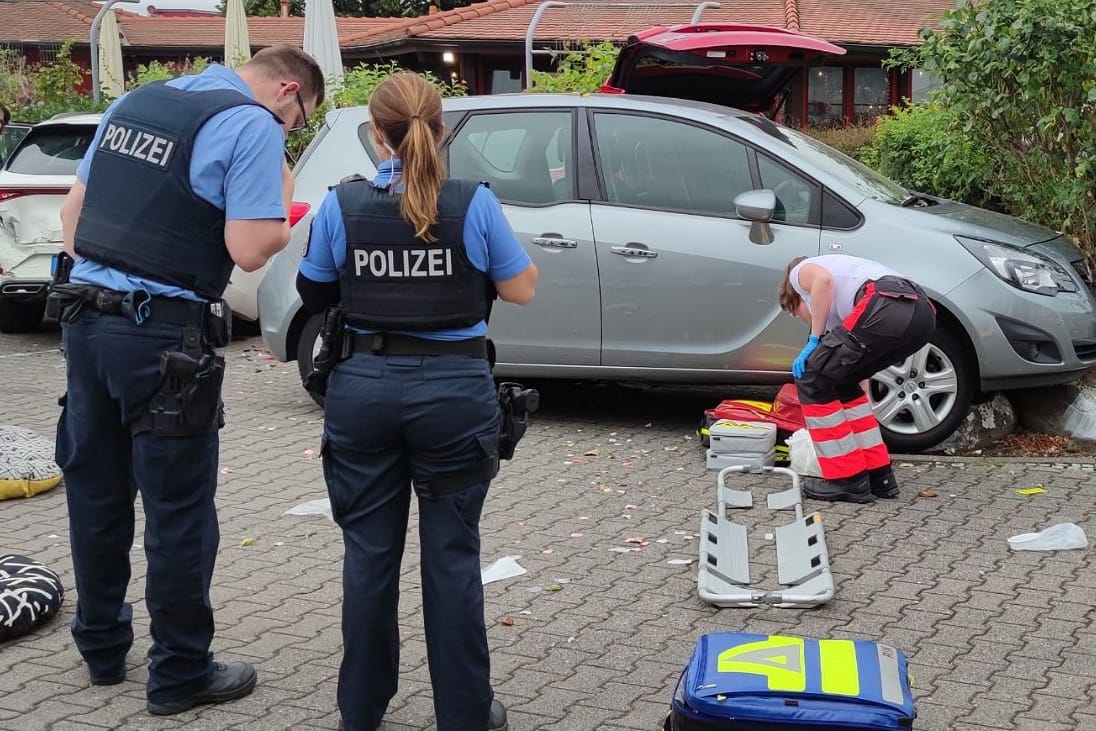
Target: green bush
{"points": [[36, 93], [584, 68], [923, 148], [358, 85], [1019, 85], [856, 141]]}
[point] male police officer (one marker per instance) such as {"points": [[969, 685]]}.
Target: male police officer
{"points": [[182, 180]]}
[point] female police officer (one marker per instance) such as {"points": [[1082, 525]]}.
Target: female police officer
{"points": [[410, 258]]}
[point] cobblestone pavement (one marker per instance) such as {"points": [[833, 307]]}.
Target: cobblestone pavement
{"points": [[589, 638]]}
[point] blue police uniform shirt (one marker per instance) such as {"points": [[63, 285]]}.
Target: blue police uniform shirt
{"points": [[236, 166], [488, 240]]}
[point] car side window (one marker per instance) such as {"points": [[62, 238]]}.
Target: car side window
{"points": [[660, 163], [795, 195], [525, 156]]}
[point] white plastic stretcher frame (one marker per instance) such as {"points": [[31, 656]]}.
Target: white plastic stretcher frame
{"points": [[698, 11], [803, 563]]}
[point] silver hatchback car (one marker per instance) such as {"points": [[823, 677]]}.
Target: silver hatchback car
{"points": [[661, 229]]}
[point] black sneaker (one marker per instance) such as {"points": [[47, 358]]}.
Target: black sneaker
{"points": [[856, 489], [497, 720], [230, 682], [883, 482]]}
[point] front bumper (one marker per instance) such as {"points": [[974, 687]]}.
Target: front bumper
{"points": [[1023, 339]]}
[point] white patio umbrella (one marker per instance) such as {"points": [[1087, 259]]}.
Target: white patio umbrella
{"points": [[321, 41], [112, 80], [237, 42]]}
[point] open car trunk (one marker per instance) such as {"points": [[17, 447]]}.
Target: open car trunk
{"points": [[744, 66]]}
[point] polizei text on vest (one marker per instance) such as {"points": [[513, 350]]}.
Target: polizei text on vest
{"points": [[137, 144], [399, 263]]}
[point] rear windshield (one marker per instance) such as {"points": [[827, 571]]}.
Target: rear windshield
{"points": [[54, 150]]}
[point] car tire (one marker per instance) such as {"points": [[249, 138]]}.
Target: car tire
{"points": [[948, 363], [307, 344], [21, 317]]}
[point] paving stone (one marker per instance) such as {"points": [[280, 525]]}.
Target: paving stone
{"points": [[995, 639]]}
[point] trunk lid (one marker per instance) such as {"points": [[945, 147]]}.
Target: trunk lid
{"points": [[744, 66]]}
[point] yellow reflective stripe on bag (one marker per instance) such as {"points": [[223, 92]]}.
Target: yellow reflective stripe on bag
{"points": [[782, 662]]}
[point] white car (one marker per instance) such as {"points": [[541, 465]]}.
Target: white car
{"points": [[33, 182]]}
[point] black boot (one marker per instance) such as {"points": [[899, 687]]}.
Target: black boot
{"points": [[883, 482], [855, 489], [229, 682]]}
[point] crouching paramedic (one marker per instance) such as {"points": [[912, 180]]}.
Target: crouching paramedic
{"points": [[413, 261], [863, 318], [182, 180]]}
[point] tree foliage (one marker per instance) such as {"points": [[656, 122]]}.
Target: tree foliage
{"points": [[1019, 84]]}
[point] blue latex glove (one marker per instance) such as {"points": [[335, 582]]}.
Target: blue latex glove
{"points": [[800, 364]]}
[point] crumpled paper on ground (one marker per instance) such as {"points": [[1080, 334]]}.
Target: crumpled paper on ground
{"points": [[313, 507]]}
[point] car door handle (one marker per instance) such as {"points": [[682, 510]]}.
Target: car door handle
{"points": [[552, 241], [634, 250]]}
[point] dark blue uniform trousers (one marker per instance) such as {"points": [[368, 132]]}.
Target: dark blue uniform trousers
{"points": [[113, 369], [390, 418]]}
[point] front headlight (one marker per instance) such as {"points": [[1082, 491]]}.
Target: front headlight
{"points": [[1019, 267]]}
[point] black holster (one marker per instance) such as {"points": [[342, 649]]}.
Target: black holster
{"points": [[333, 342], [188, 401], [515, 403], [59, 276]]}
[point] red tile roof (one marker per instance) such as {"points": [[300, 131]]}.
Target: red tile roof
{"points": [[873, 22], [54, 21], [166, 32], [47, 21], [870, 22]]}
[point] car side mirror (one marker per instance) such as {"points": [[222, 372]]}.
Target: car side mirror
{"points": [[757, 206]]}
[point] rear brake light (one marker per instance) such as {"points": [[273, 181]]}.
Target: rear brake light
{"points": [[7, 194], [297, 211]]}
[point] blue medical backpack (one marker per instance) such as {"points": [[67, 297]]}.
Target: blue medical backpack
{"points": [[746, 682]]}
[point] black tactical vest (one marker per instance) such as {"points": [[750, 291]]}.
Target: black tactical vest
{"points": [[393, 281], [140, 214]]}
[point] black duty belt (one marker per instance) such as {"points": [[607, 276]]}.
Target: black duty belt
{"points": [[393, 344], [170, 310]]}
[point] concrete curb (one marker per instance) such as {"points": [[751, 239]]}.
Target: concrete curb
{"points": [[986, 459]]}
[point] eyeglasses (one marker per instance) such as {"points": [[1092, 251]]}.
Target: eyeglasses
{"points": [[304, 114]]}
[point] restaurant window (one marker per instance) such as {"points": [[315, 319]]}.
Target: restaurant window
{"points": [[923, 84], [825, 90], [871, 95]]}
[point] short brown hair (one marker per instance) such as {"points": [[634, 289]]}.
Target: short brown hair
{"points": [[284, 59], [787, 295], [407, 109]]}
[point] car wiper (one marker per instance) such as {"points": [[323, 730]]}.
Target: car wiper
{"points": [[913, 199]]}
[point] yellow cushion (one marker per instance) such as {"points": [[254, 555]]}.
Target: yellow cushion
{"points": [[26, 463]]}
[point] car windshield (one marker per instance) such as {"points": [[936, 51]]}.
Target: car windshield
{"points": [[838, 164], [55, 150]]}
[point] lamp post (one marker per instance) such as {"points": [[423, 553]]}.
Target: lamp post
{"points": [[95, 44]]}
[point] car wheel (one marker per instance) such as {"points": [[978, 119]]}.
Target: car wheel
{"points": [[922, 401], [21, 317], [308, 346]]}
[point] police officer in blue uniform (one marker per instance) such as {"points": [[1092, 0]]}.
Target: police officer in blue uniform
{"points": [[183, 180], [413, 260]]}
